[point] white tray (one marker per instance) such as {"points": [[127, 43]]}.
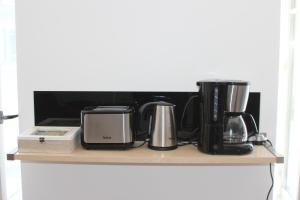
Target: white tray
{"points": [[46, 139]]}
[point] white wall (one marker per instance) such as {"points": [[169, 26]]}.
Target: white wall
{"points": [[164, 45]]}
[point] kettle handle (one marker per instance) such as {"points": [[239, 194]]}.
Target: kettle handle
{"points": [[146, 105], [252, 124], [142, 115]]}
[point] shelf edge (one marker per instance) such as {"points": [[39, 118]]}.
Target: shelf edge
{"points": [[11, 154]]}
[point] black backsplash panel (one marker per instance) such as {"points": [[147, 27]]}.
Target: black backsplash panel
{"points": [[63, 108]]}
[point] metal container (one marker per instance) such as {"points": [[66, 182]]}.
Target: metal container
{"points": [[107, 127], [162, 125], [237, 96]]}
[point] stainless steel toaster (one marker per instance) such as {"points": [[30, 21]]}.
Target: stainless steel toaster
{"points": [[107, 127]]}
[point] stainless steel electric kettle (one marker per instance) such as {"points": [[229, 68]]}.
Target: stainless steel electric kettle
{"points": [[162, 125]]}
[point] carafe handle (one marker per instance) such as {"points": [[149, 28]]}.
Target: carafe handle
{"points": [[250, 120]]}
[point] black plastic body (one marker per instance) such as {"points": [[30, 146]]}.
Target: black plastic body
{"points": [[237, 149], [111, 146], [162, 148], [212, 107]]}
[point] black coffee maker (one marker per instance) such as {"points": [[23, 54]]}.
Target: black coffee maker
{"points": [[223, 128]]}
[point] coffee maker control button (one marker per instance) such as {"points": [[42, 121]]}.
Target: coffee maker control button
{"points": [[215, 117], [215, 109]]}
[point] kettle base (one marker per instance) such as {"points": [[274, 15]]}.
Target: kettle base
{"points": [[162, 148]]}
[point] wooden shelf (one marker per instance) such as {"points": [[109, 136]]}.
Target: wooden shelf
{"points": [[184, 155]]}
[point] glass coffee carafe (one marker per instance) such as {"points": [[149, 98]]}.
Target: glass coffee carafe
{"points": [[238, 127]]}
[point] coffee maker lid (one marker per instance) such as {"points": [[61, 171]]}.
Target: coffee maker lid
{"points": [[221, 81]]}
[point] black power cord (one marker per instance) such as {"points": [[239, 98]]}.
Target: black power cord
{"points": [[185, 108], [183, 143], [271, 187], [133, 147], [271, 174]]}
